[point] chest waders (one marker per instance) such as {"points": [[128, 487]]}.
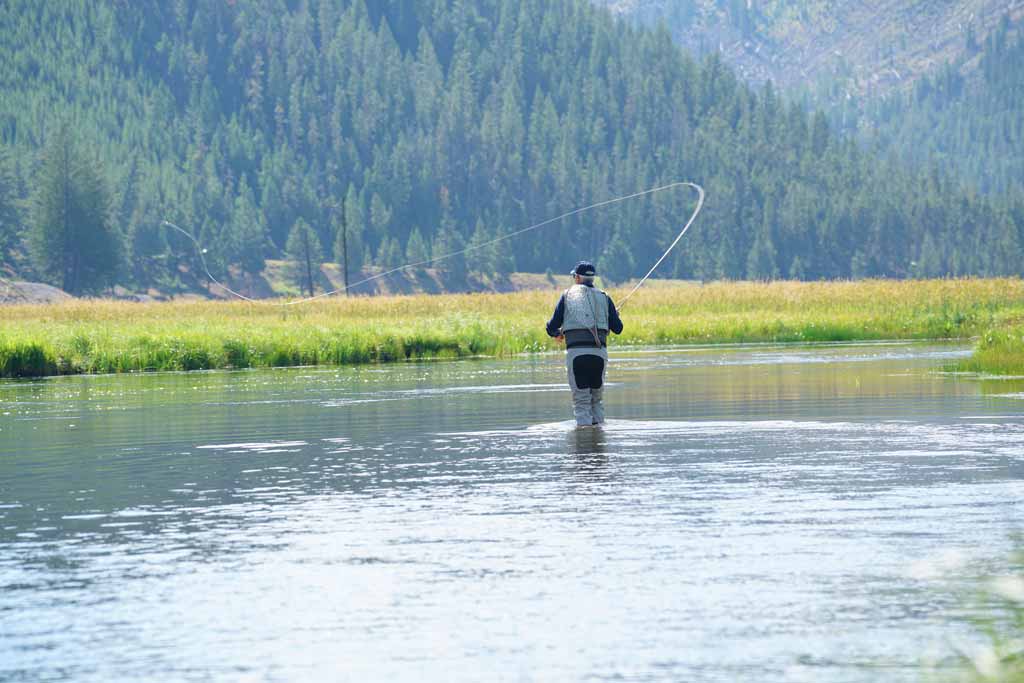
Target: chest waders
{"points": [[585, 366]]}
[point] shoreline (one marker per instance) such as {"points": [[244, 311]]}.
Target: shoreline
{"points": [[101, 336]]}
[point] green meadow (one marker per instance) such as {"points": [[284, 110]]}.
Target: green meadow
{"points": [[101, 336]]}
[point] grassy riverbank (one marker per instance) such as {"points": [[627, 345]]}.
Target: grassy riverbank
{"points": [[106, 336], [1000, 351]]}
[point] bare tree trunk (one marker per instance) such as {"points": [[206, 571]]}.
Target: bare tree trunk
{"points": [[344, 256]]}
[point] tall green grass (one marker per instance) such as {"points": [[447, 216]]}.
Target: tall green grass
{"points": [[999, 351], [110, 336]]}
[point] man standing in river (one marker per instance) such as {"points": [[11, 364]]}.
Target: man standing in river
{"points": [[583, 317]]}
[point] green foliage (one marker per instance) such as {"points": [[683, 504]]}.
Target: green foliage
{"points": [[237, 119], [964, 120], [305, 256], [73, 241], [390, 254], [446, 248], [10, 214], [26, 359], [104, 336], [482, 257], [348, 242], [247, 237], [999, 351], [616, 261], [416, 250]]}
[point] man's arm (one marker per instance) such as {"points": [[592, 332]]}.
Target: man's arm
{"points": [[554, 326], [614, 321]]}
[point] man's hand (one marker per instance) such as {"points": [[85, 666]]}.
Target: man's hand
{"points": [[560, 339]]}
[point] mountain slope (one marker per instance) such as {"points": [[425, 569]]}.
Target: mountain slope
{"points": [[868, 47], [400, 129], [968, 118]]}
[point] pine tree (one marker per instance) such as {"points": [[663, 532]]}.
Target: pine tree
{"points": [[761, 263], [416, 250], [797, 271], [929, 260], [248, 236], [380, 217], [304, 255], [445, 252], [238, 121], [819, 134], [72, 240], [482, 255], [10, 215], [504, 256], [616, 262], [389, 255]]}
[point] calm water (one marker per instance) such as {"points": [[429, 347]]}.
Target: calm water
{"points": [[749, 514]]}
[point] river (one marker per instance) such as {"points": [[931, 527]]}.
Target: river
{"points": [[749, 513]]}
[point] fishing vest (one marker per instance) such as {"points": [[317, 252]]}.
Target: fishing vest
{"points": [[585, 309]]}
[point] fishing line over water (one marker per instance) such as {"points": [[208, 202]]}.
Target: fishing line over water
{"points": [[608, 202]]}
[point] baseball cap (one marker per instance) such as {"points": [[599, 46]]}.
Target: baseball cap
{"points": [[584, 268]]}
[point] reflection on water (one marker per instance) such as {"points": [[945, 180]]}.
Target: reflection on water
{"points": [[586, 441], [748, 513]]}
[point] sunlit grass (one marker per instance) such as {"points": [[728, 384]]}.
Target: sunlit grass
{"points": [[1000, 351], [110, 336]]}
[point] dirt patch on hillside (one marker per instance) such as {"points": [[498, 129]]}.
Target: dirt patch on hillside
{"points": [[15, 292]]}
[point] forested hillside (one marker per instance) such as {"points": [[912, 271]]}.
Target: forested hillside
{"points": [[860, 47], [395, 129], [968, 118], [929, 83]]}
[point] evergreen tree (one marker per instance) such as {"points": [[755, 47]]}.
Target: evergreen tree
{"points": [[445, 252], [416, 249], [929, 261], [72, 240], [797, 271], [761, 263], [304, 256], [390, 254], [10, 215], [248, 234], [236, 122], [617, 263], [504, 256], [380, 217], [482, 256]]}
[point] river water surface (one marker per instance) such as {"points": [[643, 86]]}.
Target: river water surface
{"points": [[748, 514]]}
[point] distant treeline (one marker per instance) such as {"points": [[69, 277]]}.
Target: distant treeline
{"points": [[392, 130]]}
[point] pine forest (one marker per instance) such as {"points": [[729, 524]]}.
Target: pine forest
{"points": [[385, 132]]}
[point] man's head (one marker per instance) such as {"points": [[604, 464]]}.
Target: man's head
{"points": [[584, 273]]}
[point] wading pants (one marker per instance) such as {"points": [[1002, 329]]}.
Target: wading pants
{"points": [[586, 368]]}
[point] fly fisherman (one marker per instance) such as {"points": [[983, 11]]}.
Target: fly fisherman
{"points": [[582, 318]]}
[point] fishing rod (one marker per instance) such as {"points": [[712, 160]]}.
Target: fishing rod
{"points": [[536, 226]]}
